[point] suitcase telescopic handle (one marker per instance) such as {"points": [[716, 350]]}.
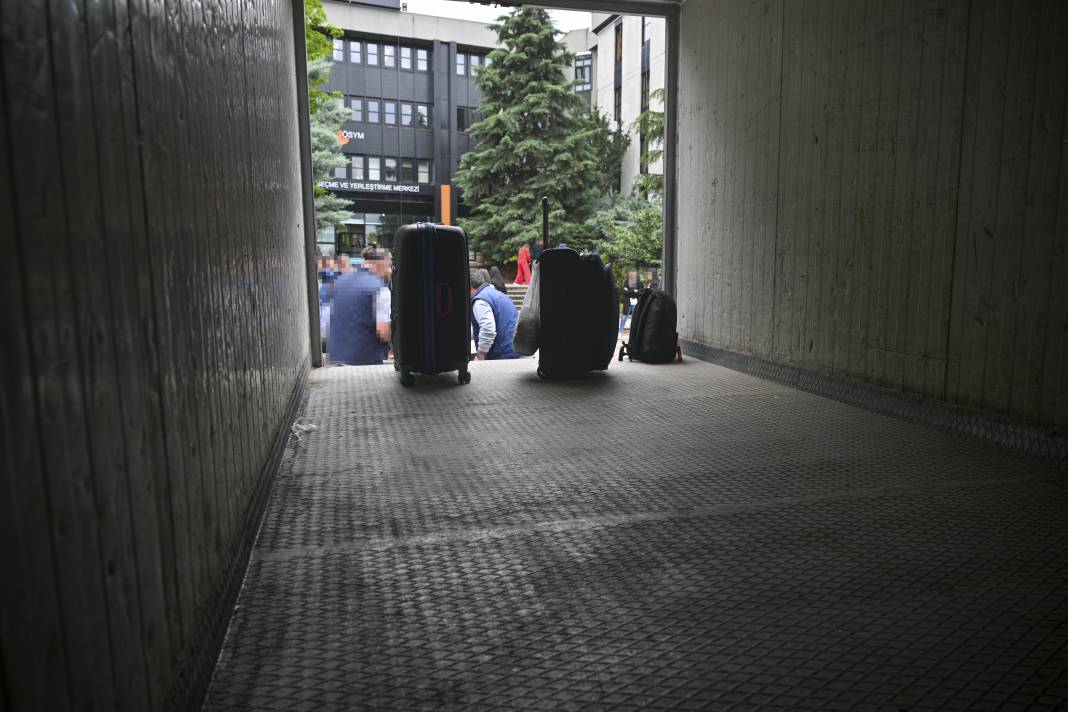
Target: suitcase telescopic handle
{"points": [[545, 222]]}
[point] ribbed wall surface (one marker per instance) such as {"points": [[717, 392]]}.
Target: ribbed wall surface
{"points": [[154, 329], [878, 190]]}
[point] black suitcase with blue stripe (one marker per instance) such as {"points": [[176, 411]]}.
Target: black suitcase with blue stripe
{"points": [[430, 318]]}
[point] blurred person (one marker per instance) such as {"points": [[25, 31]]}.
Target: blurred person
{"points": [[344, 266], [523, 260], [497, 280], [359, 320], [493, 318], [632, 287], [651, 280], [326, 300]]}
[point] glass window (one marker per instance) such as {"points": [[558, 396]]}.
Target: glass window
{"points": [[341, 171], [389, 109], [407, 170], [406, 57], [618, 105], [374, 168], [476, 62], [647, 29], [357, 167], [339, 50], [461, 119], [423, 113], [406, 114], [372, 53], [389, 172], [389, 55], [619, 42], [461, 64], [424, 172], [583, 73], [372, 111], [486, 61], [645, 92], [357, 109], [422, 59], [355, 51]]}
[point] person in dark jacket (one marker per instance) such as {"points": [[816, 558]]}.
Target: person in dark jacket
{"points": [[359, 319], [498, 280], [493, 318], [632, 287]]}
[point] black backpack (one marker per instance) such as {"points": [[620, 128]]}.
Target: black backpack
{"points": [[653, 338]]}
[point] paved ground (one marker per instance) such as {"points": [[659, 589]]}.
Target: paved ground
{"points": [[655, 537]]}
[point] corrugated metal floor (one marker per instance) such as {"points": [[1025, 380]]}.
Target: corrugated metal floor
{"points": [[654, 537]]}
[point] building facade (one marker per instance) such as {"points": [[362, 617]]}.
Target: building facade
{"points": [[408, 81], [627, 58]]}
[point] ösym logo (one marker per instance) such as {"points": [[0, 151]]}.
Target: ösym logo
{"points": [[344, 136]]}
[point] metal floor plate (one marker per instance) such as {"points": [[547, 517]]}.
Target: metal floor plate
{"points": [[654, 537]]}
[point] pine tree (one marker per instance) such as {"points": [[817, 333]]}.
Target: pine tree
{"points": [[536, 138], [326, 114]]}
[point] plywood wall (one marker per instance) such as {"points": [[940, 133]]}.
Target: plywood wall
{"points": [[154, 328], [877, 189]]}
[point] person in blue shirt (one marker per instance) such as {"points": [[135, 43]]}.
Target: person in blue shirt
{"points": [[493, 318], [359, 318]]}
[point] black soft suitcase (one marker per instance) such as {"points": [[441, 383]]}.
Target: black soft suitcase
{"points": [[431, 322], [578, 312]]}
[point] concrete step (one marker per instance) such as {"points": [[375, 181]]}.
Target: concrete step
{"points": [[516, 292]]}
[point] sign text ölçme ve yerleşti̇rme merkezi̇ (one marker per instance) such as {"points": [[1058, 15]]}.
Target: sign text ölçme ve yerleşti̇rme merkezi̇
{"points": [[376, 187]]}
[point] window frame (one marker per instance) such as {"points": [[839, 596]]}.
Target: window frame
{"points": [[377, 111], [425, 59], [473, 60], [355, 50], [371, 50], [461, 64], [374, 163], [406, 117], [403, 59], [422, 118], [356, 109], [338, 48], [389, 56], [386, 113], [385, 169], [419, 166], [410, 162], [355, 159]]}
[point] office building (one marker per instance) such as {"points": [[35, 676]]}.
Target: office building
{"points": [[409, 83]]}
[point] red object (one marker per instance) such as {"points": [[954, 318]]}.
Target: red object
{"points": [[523, 258]]}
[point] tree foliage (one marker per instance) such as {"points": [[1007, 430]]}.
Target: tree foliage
{"points": [[536, 138], [319, 35], [327, 114], [650, 123], [628, 231]]}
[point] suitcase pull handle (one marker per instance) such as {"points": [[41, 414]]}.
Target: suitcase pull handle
{"points": [[443, 299]]}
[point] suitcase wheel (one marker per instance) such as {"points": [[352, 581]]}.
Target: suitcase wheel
{"points": [[407, 378], [463, 377]]}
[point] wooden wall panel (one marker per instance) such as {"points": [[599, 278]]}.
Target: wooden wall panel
{"points": [[154, 316], [918, 166]]}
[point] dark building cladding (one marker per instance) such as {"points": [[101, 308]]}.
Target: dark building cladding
{"points": [[411, 102]]}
